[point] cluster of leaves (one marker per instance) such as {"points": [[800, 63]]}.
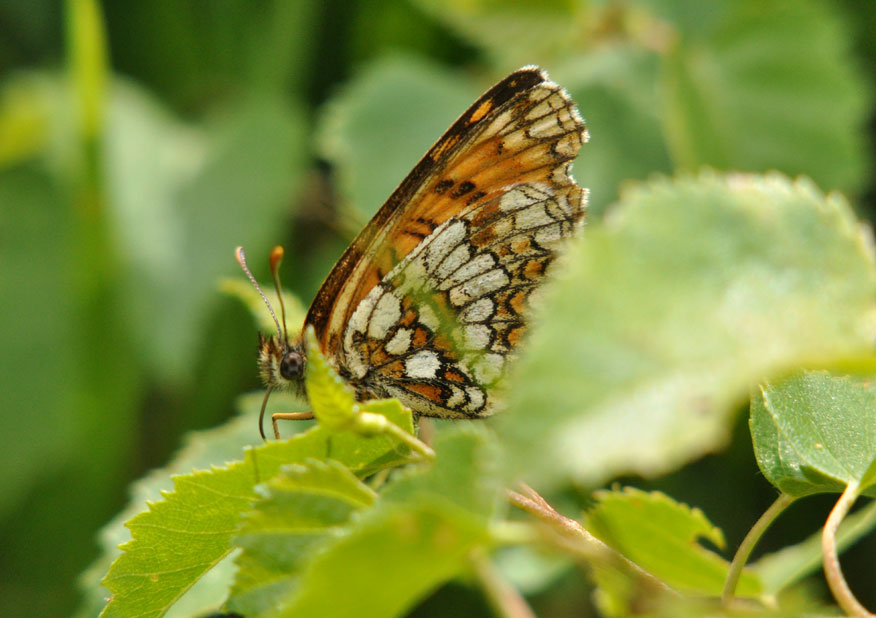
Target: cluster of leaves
{"points": [[176, 132], [775, 272]]}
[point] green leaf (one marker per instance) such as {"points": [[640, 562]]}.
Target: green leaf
{"points": [[693, 290], [331, 397], [35, 273], [418, 535], [183, 536], [626, 136], [201, 450], [814, 432], [660, 535], [380, 125], [301, 507], [741, 82], [540, 31]]}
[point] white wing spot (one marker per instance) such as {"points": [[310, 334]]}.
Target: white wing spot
{"points": [[423, 365], [457, 397], [428, 318], [440, 242], [475, 288], [475, 396], [477, 336], [457, 258], [400, 342], [489, 368], [477, 311], [386, 314], [478, 265]]}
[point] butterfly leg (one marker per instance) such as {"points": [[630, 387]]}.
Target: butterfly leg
{"points": [[288, 416]]}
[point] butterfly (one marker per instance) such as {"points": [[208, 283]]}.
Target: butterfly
{"points": [[430, 301]]}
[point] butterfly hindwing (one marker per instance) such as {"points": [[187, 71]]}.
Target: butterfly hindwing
{"points": [[430, 300]]}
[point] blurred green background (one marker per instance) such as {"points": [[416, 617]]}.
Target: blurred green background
{"points": [[141, 142]]}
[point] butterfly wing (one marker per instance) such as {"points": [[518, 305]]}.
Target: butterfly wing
{"points": [[430, 299]]}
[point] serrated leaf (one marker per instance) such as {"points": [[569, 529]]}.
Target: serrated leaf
{"points": [[417, 535], [693, 290], [200, 449], [182, 537], [814, 432], [300, 508], [660, 535]]}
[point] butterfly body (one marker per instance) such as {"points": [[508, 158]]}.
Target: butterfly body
{"points": [[430, 301]]}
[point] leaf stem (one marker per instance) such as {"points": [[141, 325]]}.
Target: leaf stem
{"points": [[411, 441], [570, 536], [748, 543], [832, 571], [505, 600]]}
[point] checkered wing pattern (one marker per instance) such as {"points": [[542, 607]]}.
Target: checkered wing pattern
{"points": [[430, 301]]}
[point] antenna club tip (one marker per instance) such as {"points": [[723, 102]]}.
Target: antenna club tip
{"points": [[240, 256], [276, 256]]}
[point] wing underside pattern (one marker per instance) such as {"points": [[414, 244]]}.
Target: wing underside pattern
{"points": [[432, 298]]}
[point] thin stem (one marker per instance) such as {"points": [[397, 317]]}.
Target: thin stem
{"points": [[537, 506], [570, 536], [748, 543], [411, 441], [832, 571], [505, 600]]}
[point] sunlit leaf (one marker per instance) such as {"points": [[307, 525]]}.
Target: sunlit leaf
{"points": [[661, 536], [302, 507], [693, 290], [184, 535], [814, 432]]}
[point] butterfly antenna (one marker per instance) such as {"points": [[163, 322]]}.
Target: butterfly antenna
{"points": [[276, 258], [241, 259]]}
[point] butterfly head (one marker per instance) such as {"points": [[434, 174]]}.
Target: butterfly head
{"points": [[281, 365]]}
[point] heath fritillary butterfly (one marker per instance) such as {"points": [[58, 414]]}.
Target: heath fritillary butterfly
{"points": [[431, 299]]}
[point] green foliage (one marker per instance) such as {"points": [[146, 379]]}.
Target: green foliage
{"points": [[181, 537], [814, 433], [304, 506], [137, 153], [691, 291], [661, 536]]}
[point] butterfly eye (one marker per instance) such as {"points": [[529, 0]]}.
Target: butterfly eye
{"points": [[292, 365]]}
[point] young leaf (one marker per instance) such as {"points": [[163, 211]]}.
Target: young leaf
{"points": [[691, 291], [301, 507], [660, 535], [332, 399], [180, 538], [814, 432], [417, 535]]}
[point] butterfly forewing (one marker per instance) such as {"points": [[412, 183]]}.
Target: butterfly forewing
{"points": [[431, 299]]}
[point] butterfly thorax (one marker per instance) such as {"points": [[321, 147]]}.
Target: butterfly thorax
{"points": [[282, 364]]}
